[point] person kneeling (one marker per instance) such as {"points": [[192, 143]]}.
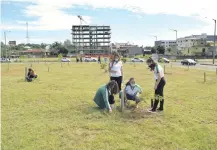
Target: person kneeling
{"points": [[31, 74], [104, 96], [132, 91]]}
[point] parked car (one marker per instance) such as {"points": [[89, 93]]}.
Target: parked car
{"points": [[90, 59], [4, 60], [165, 60], [188, 62], [137, 60], [65, 60]]}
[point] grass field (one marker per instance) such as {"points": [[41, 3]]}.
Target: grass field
{"points": [[57, 112]]}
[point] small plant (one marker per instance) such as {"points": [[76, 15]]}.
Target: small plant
{"points": [[60, 56], [104, 66], [124, 60]]}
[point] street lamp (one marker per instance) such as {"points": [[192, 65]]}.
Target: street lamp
{"points": [[176, 40], [214, 50], [5, 35]]}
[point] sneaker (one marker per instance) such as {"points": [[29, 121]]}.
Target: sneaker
{"points": [[159, 109], [151, 111]]}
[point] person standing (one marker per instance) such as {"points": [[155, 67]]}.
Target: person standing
{"points": [[99, 59], [159, 84], [116, 69]]}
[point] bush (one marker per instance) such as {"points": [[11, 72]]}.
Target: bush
{"points": [[103, 66], [124, 60]]}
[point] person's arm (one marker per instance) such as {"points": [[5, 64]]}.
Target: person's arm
{"points": [[159, 76], [110, 67], [139, 88], [127, 89], [122, 74], [105, 98]]}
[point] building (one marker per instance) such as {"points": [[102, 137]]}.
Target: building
{"points": [[166, 43], [127, 49], [91, 40], [35, 53], [12, 43], [192, 41]]}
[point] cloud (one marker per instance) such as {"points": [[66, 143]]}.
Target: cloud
{"points": [[52, 15]]}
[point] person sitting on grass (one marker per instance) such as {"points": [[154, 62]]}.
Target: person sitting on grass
{"points": [[132, 91], [31, 74], [104, 96]]}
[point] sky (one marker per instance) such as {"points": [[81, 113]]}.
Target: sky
{"points": [[134, 21]]}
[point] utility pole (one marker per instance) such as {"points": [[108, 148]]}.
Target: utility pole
{"points": [[27, 33], [214, 50], [156, 40], [176, 41], [81, 33], [214, 47], [5, 36]]}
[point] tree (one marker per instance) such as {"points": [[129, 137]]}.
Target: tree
{"points": [[63, 51], [67, 43], [169, 49], [160, 50], [43, 45], [153, 50]]}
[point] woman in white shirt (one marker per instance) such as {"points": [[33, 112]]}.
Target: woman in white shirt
{"points": [[159, 84], [116, 69]]}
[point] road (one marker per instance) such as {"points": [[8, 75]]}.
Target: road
{"points": [[198, 66]]}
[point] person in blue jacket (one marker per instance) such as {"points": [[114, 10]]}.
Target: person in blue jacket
{"points": [[104, 96], [132, 91]]}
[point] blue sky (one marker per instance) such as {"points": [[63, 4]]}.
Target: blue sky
{"points": [[136, 21]]}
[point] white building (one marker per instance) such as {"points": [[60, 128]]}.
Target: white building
{"points": [[126, 49], [192, 41], [165, 43]]}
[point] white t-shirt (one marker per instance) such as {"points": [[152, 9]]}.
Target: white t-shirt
{"points": [[158, 69], [116, 67]]}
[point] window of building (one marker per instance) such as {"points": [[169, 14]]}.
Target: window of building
{"points": [[201, 43]]}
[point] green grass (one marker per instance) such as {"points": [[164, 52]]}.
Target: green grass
{"points": [[56, 111]]}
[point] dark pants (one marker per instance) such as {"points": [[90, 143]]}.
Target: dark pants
{"points": [[111, 99], [118, 80], [159, 96], [160, 88], [29, 78]]}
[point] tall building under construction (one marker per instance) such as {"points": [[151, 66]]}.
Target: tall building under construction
{"points": [[91, 40]]}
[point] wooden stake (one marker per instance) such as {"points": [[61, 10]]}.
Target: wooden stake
{"points": [[204, 76], [25, 73], [8, 66], [188, 66], [48, 69], [122, 101], [61, 64]]}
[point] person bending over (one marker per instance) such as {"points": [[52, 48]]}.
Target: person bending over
{"points": [[31, 75], [159, 84], [104, 96]]}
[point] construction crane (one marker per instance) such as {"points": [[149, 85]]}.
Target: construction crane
{"points": [[81, 20]]}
